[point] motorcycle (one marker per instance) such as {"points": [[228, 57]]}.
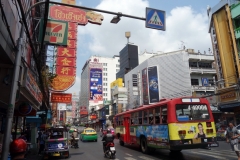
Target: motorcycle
{"points": [[110, 151]]}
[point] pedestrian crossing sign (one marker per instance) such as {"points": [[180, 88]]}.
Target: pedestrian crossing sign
{"points": [[155, 19]]}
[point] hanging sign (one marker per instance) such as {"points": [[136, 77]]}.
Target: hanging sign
{"points": [[66, 52], [66, 61], [61, 97]]}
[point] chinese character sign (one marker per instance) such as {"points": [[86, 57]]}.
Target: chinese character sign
{"points": [[96, 84]]}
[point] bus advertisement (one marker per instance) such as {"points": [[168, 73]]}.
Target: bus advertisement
{"points": [[174, 124]]}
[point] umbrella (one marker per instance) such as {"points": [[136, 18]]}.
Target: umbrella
{"points": [[45, 126]]}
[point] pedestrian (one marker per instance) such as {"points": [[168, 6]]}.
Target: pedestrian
{"points": [[232, 135], [42, 142], [23, 136], [18, 148]]}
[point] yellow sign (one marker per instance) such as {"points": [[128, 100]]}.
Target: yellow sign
{"points": [[194, 131], [230, 96], [73, 2], [118, 83]]}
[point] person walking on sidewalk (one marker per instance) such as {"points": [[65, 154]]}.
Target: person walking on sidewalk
{"points": [[232, 137], [42, 142]]}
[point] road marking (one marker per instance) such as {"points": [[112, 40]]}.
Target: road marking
{"points": [[218, 153], [145, 158], [128, 154], [129, 158], [210, 155]]}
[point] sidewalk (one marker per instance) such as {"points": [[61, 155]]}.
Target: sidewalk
{"points": [[33, 154]]}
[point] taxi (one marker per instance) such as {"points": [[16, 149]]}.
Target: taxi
{"points": [[89, 134]]}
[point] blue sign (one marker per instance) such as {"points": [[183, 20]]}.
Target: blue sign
{"points": [[153, 88], [205, 82], [155, 19], [96, 84]]}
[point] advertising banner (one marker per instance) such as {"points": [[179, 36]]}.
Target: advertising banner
{"points": [[61, 97], [153, 84], [66, 61], [96, 84], [66, 52], [145, 87], [56, 32]]}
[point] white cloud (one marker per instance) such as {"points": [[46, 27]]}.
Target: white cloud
{"points": [[182, 24], [76, 87]]}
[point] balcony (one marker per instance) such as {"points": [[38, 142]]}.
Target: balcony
{"points": [[202, 70], [235, 10], [237, 32], [203, 88]]}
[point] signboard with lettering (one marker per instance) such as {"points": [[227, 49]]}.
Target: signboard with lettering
{"points": [[67, 71], [66, 52], [61, 97], [72, 35], [229, 96], [66, 61], [96, 84]]}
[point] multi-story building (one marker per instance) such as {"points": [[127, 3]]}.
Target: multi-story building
{"points": [[224, 29], [75, 107], [97, 74]]}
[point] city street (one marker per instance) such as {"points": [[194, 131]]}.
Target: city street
{"points": [[93, 150]]}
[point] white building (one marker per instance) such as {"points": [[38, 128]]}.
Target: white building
{"points": [[109, 67]]}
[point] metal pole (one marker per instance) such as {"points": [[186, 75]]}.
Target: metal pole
{"points": [[7, 131]]}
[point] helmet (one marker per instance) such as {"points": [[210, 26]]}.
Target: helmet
{"points": [[18, 145], [75, 130], [108, 131]]}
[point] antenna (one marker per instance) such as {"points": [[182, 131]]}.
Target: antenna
{"points": [[183, 45], [127, 35]]}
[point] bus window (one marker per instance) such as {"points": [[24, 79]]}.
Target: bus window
{"points": [[150, 115], [188, 112], [145, 117], [136, 118], [157, 115], [164, 114], [140, 117]]}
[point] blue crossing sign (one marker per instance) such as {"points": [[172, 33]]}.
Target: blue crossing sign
{"points": [[155, 19]]}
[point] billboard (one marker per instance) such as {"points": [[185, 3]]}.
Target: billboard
{"points": [[153, 86], [145, 87], [83, 110], [96, 84]]}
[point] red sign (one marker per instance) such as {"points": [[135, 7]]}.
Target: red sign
{"points": [[84, 112], [66, 61], [66, 52], [93, 116], [72, 43], [66, 71], [72, 26], [72, 35], [61, 97], [69, 14]]}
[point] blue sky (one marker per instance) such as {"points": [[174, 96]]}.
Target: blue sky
{"points": [[186, 21]]}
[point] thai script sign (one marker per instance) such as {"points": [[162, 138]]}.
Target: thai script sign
{"points": [[61, 97]]}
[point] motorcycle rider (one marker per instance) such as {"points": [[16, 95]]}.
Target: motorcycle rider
{"points": [[107, 138], [18, 148], [74, 136]]}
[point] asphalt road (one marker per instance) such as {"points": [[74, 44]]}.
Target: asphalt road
{"points": [[94, 151]]}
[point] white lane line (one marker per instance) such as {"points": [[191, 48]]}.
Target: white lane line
{"points": [[129, 158], [210, 155], [219, 154], [145, 158], [128, 154]]}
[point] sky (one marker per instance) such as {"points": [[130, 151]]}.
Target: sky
{"points": [[186, 24]]}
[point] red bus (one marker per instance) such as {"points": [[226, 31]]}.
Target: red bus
{"points": [[174, 124]]}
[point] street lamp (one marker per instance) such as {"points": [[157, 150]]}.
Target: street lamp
{"points": [[117, 18]]}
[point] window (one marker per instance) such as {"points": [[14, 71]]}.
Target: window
{"points": [[117, 70], [117, 65], [194, 82], [136, 118], [145, 117], [188, 112], [164, 115], [135, 80], [132, 119], [211, 82], [150, 116], [140, 117], [157, 115], [193, 64]]}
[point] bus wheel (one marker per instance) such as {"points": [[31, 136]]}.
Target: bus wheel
{"points": [[144, 146], [121, 142], [175, 151]]}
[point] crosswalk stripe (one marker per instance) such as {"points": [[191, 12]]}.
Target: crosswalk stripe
{"points": [[128, 154], [210, 155], [218, 154], [229, 152], [129, 158], [145, 158]]}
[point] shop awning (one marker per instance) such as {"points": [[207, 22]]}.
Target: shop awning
{"points": [[228, 107]]}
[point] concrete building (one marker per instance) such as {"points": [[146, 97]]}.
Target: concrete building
{"points": [[97, 74], [224, 29]]}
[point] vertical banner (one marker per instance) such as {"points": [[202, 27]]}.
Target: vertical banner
{"points": [[96, 84], [153, 84], [145, 87]]}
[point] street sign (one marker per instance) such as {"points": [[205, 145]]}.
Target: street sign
{"points": [[155, 19]]}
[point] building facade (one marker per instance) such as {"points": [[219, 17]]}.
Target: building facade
{"points": [[97, 74], [224, 30]]}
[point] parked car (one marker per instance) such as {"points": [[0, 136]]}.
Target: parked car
{"points": [[89, 134]]}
